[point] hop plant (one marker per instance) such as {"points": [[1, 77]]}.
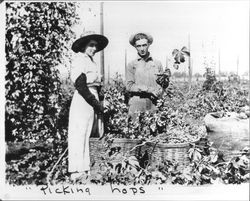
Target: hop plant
{"points": [[179, 56]]}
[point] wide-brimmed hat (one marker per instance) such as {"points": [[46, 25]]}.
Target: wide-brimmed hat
{"points": [[132, 38], [101, 40]]}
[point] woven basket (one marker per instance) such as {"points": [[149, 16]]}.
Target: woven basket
{"points": [[127, 147], [98, 150], [177, 153]]}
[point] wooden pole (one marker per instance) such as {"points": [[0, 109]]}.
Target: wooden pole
{"points": [[219, 64], [185, 71], [166, 62], [108, 74], [99, 123], [189, 63], [125, 63], [237, 65], [102, 33]]}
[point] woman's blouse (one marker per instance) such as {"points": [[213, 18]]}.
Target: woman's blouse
{"points": [[85, 64]]}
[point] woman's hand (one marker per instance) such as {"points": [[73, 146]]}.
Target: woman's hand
{"points": [[101, 93]]}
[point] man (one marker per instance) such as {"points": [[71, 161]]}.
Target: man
{"points": [[141, 76]]}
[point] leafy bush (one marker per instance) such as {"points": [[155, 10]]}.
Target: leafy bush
{"points": [[210, 79], [180, 109], [66, 93], [116, 112], [207, 166], [180, 112], [33, 167], [37, 35]]}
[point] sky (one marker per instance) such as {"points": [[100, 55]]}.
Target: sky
{"points": [[213, 27]]}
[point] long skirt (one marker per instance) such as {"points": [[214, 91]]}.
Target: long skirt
{"points": [[81, 121]]}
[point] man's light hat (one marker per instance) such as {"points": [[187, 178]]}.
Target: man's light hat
{"points": [[132, 38]]}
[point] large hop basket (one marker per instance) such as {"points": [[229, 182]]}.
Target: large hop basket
{"points": [[99, 150], [159, 152], [174, 152], [153, 151]]}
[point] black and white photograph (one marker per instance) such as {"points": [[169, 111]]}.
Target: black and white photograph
{"points": [[125, 100]]}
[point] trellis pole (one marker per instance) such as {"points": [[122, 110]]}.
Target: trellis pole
{"points": [[125, 63], [189, 64], [166, 62], [219, 65], [100, 117], [102, 33], [237, 65]]}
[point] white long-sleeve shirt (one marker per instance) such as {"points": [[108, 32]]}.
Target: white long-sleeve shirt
{"points": [[84, 64]]}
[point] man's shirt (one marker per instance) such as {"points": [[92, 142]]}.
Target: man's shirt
{"points": [[141, 74]]}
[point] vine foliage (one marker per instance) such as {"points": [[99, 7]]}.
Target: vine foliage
{"points": [[37, 36]]}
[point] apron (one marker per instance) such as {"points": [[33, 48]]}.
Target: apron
{"points": [[81, 121]]}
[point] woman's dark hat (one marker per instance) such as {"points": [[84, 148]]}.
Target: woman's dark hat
{"points": [[101, 40]]}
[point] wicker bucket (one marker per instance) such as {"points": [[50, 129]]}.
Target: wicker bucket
{"points": [[98, 150], [157, 152], [177, 153]]}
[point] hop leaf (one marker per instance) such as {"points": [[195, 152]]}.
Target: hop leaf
{"points": [[176, 66], [175, 52], [179, 56], [185, 51]]}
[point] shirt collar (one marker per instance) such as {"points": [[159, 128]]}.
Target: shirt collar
{"points": [[146, 59], [87, 56]]}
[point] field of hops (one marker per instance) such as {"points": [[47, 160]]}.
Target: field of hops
{"points": [[179, 119]]}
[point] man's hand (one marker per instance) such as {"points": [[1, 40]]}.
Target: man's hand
{"points": [[163, 79], [153, 94], [154, 99]]}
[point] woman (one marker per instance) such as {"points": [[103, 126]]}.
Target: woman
{"points": [[85, 103]]}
